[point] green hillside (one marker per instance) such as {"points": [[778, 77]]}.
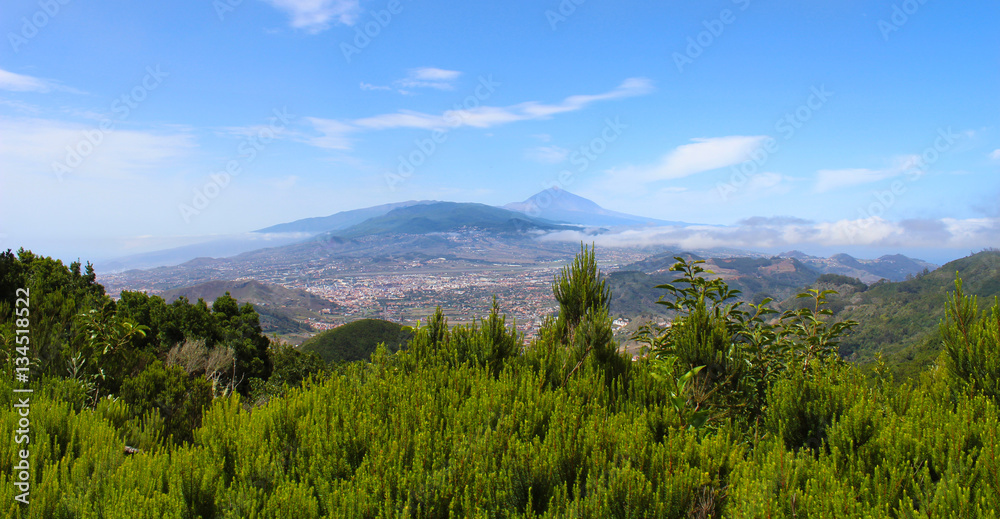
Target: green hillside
{"points": [[357, 340], [901, 319]]}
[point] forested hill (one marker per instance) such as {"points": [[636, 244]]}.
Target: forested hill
{"points": [[357, 340], [901, 319]]}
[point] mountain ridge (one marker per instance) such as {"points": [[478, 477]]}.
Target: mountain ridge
{"points": [[560, 205]]}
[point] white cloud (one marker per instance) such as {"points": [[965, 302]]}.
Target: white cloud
{"points": [[996, 154], [829, 179], [434, 74], [21, 83], [30, 147], [790, 232], [424, 77], [547, 154], [703, 154], [314, 16], [333, 134], [429, 77], [336, 133], [369, 86]]}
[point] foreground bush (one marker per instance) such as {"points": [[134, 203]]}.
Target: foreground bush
{"points": [[464, 424]]}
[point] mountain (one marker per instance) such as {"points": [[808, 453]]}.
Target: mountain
{"points": [[634, 291], [440, 217], [559, 205], [273, 236], [435, 236], [281, 309], [900, 319], [756, 276], [357, 340], [894, 267], [217, 248], [341, 220]]}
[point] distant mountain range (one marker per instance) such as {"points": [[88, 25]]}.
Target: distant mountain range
{"points": [[341, 220], [757, 277], [216, 248], [556, 209], [398, 236], [439, 217]]}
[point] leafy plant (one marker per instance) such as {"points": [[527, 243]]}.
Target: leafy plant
{"points": [[971, 343], [689, 412]]}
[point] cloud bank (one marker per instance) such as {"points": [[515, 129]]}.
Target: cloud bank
{"points": [[760, 232]]}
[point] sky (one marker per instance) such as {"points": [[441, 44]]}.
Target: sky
{"points": [[827, 125]]}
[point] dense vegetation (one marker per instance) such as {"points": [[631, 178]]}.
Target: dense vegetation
{"points": [[900, 320], [739, 411], [357, 340]]}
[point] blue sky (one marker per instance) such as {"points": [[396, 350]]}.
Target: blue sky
{"points": [[831, 125]]}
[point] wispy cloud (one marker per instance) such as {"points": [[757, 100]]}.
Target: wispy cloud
{"points": [[547, 154], [336, 134], [369, 86], [15, 82], [702, 154], [996, 154], [314, 16], [416, 78], [429, 77], [31, 145], [830, 179]]}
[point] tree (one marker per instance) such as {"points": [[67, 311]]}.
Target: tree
{"points": [[580, 288], [971, 343], [731, 353]]}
